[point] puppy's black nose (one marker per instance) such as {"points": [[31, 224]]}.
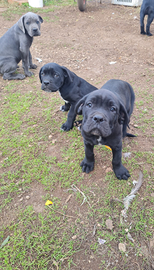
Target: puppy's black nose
{"points": [[35, 29], [98, 118], [46, 82]]}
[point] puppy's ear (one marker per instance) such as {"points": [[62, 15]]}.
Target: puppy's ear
{"points": [[67, 73], [40, 19], [21, 24], [79, 105], [40, 75], [123, 118]]}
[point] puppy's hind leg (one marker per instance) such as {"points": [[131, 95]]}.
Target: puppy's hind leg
{"points": [[8, 71], [149, 21], [142, 23]]}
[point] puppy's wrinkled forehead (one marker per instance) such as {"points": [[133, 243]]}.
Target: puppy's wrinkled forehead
{"points": [[102, 97], [31, 18], [52, 70]]}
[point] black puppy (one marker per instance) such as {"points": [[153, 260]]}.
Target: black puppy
{"points": [[106, 115], [71, 88], [147, 8]]}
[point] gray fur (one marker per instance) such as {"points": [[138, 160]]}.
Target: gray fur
{"points": [[15, 46]]}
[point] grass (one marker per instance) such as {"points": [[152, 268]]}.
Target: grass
{"points": [[50, 6]]}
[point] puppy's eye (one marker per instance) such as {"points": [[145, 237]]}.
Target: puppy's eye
{"points": [[56, 76], [37, 22], [27, 23], [89, 104], [42, 74], [112, 109]]}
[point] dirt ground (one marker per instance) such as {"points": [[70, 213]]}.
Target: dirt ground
{"points": [[102, 43]]}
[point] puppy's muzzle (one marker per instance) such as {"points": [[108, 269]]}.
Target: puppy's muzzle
{"points": [[35, 31], [46, 86]]}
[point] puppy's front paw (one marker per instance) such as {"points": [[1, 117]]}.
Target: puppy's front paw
{"points": [[62, 108], [121, 172], [87, 167], [29, 73], [65, 127]]}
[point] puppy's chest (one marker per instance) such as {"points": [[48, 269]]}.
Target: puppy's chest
{"points": [[101, 140], [63, 98]]}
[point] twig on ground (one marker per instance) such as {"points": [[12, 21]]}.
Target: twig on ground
{"points": [[94, 230], [127, 200], [61, 213], [75, 189]]}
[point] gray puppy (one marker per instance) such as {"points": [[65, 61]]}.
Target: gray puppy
{"points": [[147, 8], [15, 45]]}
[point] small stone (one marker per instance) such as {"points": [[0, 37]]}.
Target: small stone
{"points": [[122, 247], [21, 199], [144, 251], [152, 243], [108, 170], [53, 141], [50, 136], [27, 197], [109, 224], [74, 237]]}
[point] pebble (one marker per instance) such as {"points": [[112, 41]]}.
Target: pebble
{"points": [[27, 197], [122, 247], [21, 199]]}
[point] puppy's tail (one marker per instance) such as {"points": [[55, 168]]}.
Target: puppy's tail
{"points": [[130, 135]]}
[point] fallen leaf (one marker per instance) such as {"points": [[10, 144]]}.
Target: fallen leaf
{"points": [[130, 237], [5, 242], [48, 202], [108, 147], [127, 155], [101, 241]]}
